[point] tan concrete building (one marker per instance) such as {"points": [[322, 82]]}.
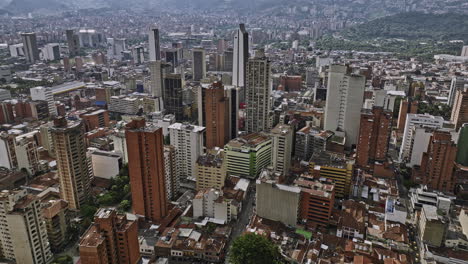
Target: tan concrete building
{"points": [[282, 137], [74, 168], [460, 108], [210, 170], [24, 234]]}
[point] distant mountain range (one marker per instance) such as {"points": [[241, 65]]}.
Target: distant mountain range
{"points": [[366, 9]]}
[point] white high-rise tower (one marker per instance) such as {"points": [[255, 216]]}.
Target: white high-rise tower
{"points": [[241, 55]]}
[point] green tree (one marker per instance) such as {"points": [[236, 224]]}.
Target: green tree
{"points": [[125, 205], [66, 259], [254, 249]]}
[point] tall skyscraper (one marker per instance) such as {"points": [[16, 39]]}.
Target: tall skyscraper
{"points": [[112, 238], [75, 172], [258, 92], [24, 234], [457, 84], [153, 45], [282, 136], [172, 57], [462, 144], [438, 162], [188, 141], [157, 73], [345, 95], [146, 169], [198, 64], [216, 116], [30, 47], [73, 42], [241, 55], [460, 108], [171, 172], [374, 133], [406, 107], [173, 94]]}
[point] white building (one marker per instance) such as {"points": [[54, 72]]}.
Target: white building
{"points": [[26, 150], [106, 164], [457, 84], [124, 104], [24, 234], [412, 120], [4, 94], [51, 52], [241, 54], [163, 121], [420, 142], [16, 50], [153, 45], [211, 203], [40, 93], [282, 137], [345, 95], [120, 144], [188, 142], [7, 151]]}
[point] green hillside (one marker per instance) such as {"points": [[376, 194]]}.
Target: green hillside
{"points": [[408, 34]]}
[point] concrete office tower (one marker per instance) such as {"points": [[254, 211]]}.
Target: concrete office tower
{"points": [[146, 168], [228, 60], [258, 92], [157, 81], [40, 93], [438, 162], [406, 107], [248, 155], [460, 108], [24, 234], [138, 55], [171, 172], [172, 57], [173, 95], [457, 84], [198, 64], [153, 45], [27, 154], [374, 133], [282, 136], [112, 238], [240, 57], [115, 47], [7, 151], [345, 95], [188, 141], [216, 115], [412, 120], [211, 170], [462, 154], [74, 169], [30, 47], [51, 52], [310, 140], [73, 42], [464, 52]]}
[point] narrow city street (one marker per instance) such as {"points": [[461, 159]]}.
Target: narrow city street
{"points": [[244, 218]]}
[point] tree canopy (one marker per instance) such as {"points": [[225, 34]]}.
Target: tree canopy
{"points": [[254, 249]]}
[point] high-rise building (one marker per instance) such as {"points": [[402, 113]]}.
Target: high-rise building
{"points": [[462, 144], [24, 234], [438, 162], [460, 108], [282, 137], [216, 116], [310, 140], [153, 45], [228, 60], [464, 52], [138, 55], [74, 168], [240, 57], [374, 134], [198, 64], [457, 84], [112, 238], [27, 154], [115, 48], [51, 52], [6, 112], [73, 43], [406, 107], [211, 170], [345, 96], [335, 167], [172, 57], [173, 95], [146, 169], [171, 172], [157, 81], [412, 120], [40, 93], [7, 151], [30, 47], [248, 155], [258, 91], [317, 200], [188, 141]]}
